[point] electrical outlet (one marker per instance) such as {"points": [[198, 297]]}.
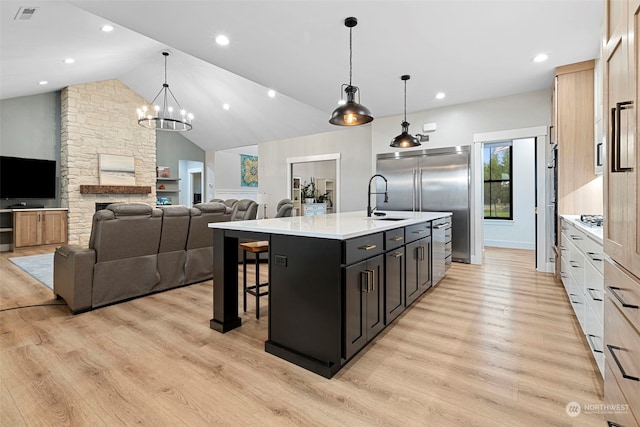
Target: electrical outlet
{"points": [[280, 260]]}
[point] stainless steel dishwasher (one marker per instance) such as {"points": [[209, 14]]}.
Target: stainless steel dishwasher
{"points": [[441, 238]]}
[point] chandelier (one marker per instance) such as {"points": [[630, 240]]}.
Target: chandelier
{"points": [[163, 115]]}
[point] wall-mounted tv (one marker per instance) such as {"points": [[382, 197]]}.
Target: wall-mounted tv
{"points": [[22, 178]]}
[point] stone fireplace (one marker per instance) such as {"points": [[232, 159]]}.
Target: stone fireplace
{"points": [[100, 118]]}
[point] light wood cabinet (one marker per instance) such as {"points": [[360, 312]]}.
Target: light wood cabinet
{"points": [[622, 233], [621, 56], [574, 132], [39, 227]]}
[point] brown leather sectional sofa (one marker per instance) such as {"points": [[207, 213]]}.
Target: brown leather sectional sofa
{"points": [[136, 249]]}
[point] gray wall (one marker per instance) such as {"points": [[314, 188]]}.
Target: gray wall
{"points": [[30, 128], [173, 147]]}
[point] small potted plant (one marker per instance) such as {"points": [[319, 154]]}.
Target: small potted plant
{"points": [[308, 192]]}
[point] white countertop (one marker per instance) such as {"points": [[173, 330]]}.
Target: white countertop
{"points": [[596, 233], [340, 226]]}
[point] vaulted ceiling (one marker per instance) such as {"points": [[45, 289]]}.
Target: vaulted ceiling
{"points": [[470, 50]]}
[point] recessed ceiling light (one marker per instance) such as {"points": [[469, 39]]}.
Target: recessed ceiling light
{"points": [[226, 106], [43, 82], [440, 95], [107, 28], [222, 40], [69, 61], [271, 93], [541, 57]]}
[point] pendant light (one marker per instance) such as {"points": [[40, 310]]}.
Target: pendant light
{"points": [[405, 140], [351, 113], [161, 116]]}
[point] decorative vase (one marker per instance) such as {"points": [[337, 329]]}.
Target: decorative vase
{"points": [[308, 201]]}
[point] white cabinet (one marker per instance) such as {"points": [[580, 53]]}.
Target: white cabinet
{"points": [[326, 187], [311, 209], [581, 270], [296, 182]]}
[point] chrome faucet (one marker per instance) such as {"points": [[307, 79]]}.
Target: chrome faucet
{"points": [[369, 193]]}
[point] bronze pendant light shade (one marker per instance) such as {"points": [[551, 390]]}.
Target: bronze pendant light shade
{"points": [[405, 140], [351, 113]]}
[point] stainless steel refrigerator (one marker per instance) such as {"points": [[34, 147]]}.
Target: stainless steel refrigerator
{"points": [[431, 180]]}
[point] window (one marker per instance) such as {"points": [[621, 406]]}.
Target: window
{"points": [[497, 180]]}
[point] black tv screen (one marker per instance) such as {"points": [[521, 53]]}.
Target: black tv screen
{"points": [[27, 178]]}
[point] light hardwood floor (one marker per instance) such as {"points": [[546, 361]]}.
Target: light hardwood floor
{"points": [[491, 345]]}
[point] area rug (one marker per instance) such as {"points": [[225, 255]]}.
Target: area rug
{"points": [[37, 266]]}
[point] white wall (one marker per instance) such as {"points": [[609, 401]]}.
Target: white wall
{"points": [[354, 145], [518, 233], [457, 124]]}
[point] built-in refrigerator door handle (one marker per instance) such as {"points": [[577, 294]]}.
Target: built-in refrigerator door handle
{"points": [[413, 194], [420, 190]]}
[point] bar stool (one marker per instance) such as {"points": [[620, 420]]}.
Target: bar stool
{"points": [[255, 248]]}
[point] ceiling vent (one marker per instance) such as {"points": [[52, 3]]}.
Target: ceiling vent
{"points": [[25, 13]]}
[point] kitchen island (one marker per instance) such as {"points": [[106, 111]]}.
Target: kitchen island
{"points": [[335, 281]]}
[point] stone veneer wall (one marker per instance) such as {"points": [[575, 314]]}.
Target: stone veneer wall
{"points": [[100, 118]]}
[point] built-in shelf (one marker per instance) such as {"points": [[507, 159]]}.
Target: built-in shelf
{"points": [[115, 189]]}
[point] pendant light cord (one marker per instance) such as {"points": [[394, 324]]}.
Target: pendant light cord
{"points": [[405, 100], [350, 53]]}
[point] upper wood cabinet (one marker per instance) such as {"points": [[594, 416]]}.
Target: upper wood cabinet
{"points": [[573, 130], [621, 65], [39, 227]]}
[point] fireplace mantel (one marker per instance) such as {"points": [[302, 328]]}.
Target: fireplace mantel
{"points": [[115, 189]]}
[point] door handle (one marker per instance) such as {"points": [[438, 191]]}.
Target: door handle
{"points": [[619, 163], [615, 358], [619, 298]]}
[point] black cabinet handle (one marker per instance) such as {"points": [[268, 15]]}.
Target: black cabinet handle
{"points": [[575, 237], [599, 154], [594, 256], [619, 298], [591, 344], [615, 359], [574, 264], [595, 298], [571, 299]]}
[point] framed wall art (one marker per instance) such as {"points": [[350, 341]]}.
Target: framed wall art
{"points": [[248, 171]]}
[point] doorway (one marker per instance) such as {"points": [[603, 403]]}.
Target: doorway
{"points": [[543, 245], [306, 166]]}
